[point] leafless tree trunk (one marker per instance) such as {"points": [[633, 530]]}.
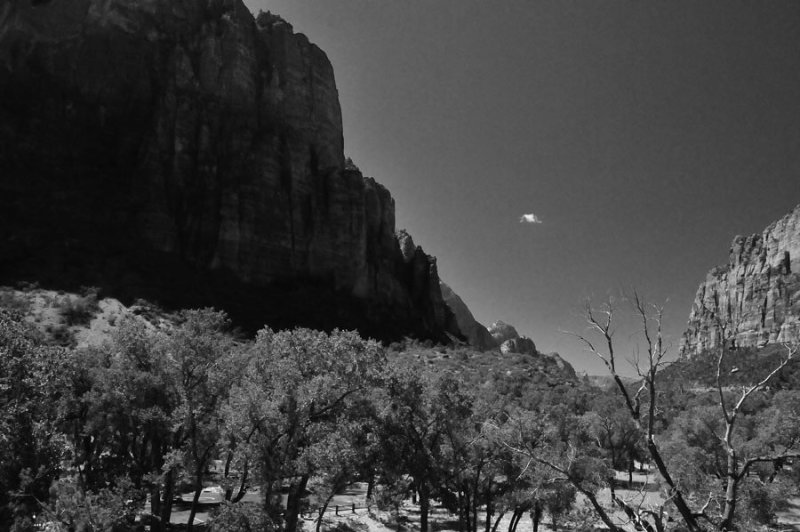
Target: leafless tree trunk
{"points": [[601, 322]]}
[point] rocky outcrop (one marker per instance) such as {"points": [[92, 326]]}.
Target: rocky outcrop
{"points": [[523, 345], [185, 151], [502, 331], [755, 297], [476, 334], [511, 343], [509, 340]]}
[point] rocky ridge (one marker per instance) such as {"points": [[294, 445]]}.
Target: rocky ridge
{"points": [[188, 152], [756, 295], [476, 334]]}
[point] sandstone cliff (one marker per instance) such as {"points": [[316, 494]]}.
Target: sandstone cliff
{"points": [[187, 152], [757, 293], [476, 334]]}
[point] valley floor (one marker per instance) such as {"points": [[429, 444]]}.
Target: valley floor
{"points": [[441, 520]]}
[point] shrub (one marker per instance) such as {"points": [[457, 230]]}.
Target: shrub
{"points": [[11, 301], [79, 310]]}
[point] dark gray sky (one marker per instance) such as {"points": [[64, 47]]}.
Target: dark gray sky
{"points": [[645, 135]]}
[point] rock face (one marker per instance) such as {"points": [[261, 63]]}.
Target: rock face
{"points": [[502, 331], [476, 334], [757, 294], [187, 152], [509, 340], [521, 345]]}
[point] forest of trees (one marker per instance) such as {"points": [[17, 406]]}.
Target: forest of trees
{"points": [[91, 437]]}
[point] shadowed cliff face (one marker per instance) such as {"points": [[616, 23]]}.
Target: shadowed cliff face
{"points": [[183, 151], [757, 294], [476, 334]]}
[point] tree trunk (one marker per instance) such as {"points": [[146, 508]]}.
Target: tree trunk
{"points": [[612, 485], [536, 517], [155, 510], [730, 492], [678, 500], [370, 486], [630, 473], [424, 506], [461, 520], [198, 488], [515, 517], [293, 504], [166, 504], [475, 511], [321, 512], [228, 460], [242, 485], [489, 513], [497, 521], [467, 513]]}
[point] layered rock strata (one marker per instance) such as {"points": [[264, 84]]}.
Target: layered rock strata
{"points": [[187, 152], [754, 300]]}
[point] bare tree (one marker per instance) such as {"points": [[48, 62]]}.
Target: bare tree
{"points": [[642, 407], [737, 469]]}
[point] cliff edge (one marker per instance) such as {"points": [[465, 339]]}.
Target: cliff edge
{"points": [[757, 293], [188, 152]]}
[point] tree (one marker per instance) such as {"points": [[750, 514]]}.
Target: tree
{"points": [[299, 388], [116, 417], [32, 378], [421, 411], [562, 444], [201, 358], [610, 424], [642, 406]]}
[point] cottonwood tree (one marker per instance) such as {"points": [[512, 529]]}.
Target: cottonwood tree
{"points": [[32, 378], [299, 387], [557, 442], [642, 406], [420, 411], [201, 357]]}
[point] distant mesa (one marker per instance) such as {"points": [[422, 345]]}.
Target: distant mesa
{"points": [[757, 294]]}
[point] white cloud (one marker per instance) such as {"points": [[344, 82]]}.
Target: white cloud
{"points": [[530, 219]]}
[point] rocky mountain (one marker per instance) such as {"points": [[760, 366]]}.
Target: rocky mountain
{"points": [[502, 331], [187, 152], [476, 334], [757, 294]]}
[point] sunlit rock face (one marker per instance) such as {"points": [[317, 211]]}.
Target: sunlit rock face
{"points": [[187, 152], [756, 295], [522, 345], [502, 331], [509, 340]]}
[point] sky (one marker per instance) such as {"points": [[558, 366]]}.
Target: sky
{"points": [[643, 135]]}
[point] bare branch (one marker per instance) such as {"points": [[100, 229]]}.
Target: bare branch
{"points": [[749, 391]]}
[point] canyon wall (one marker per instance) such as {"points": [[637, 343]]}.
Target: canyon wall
{"points": [[190, 153], [755, 297]]}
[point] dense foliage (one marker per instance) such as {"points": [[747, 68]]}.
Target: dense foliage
{"points": [[108, 438]]}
